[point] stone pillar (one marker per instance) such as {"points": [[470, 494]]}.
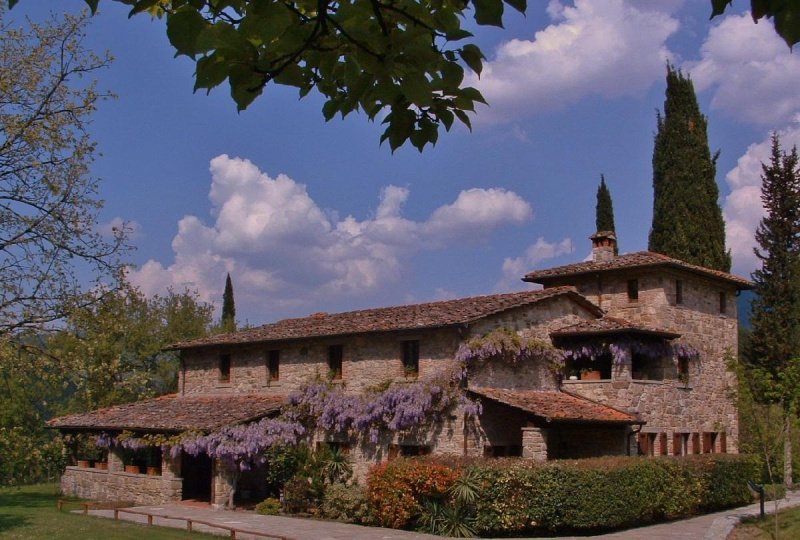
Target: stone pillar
{"points": [[115, 463], [221, 485], [534, 443], [170, 467]]}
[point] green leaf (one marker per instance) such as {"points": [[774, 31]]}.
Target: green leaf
{"points": [[211, 71], [292, 75], [329, 109], [271, 22], [472, 56], [463, 117], [246, 85], [489, 12], [91, 3], [718, 7], [519, 5], [417, 89], [473, 94], [184, 29], [787, 23]]}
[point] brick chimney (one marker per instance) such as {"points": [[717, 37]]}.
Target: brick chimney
{"points": [[604, 246]]}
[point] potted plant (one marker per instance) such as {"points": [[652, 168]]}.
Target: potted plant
{"points": [[84, 463], [101, 465], [134, 469], [591, 374]]}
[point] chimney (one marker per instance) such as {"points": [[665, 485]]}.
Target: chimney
{"points": [[604, 246]]}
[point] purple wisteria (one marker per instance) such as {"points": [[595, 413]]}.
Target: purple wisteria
{"points": [[507, 346], [621, 351], [396, 409]]}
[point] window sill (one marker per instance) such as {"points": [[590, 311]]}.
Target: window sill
{"points": [[586, 381], [272, 384], [647, 381], [224, 385]]}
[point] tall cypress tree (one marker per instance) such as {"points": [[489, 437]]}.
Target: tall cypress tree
{"points": [[687, 220], [773, 357], [604, 211], [228, 307]]}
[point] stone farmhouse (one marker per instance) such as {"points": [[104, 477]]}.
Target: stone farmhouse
{"points": [[648, 338]]}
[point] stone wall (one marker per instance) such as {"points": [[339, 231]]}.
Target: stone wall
{"points": [[120, 486]]}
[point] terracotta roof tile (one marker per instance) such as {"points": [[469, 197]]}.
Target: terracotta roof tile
{"points": [[388, 319], [556, 406], [640, 259], [175, 413], [612, 325]]}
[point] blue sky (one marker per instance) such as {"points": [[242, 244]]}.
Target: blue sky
{"points": [[312, 216]]}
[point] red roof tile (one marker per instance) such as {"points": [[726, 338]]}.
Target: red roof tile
{"points": [[555, 406], [640, 259], [388, 319], [175, 413], [612, 325]]}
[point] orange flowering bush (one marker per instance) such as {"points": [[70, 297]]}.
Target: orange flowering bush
{"points": [[395, 489]]}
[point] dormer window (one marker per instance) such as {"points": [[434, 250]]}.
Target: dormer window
{"points": [[633, 290], [225, 368]]}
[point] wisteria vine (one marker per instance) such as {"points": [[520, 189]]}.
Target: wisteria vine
{"points": [[505, 345], [621, 351]]}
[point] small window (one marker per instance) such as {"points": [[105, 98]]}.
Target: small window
{"points": [[683, 369], [338, 447], [225, 368], [723, 443], [647, 444], [723, 302], [678, 292], [273, 365], [513, 450], [411, 358], [633, 289], [335, 361]]}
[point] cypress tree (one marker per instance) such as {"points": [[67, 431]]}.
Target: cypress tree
{"points": [[604, 211], [687, 219], [773, 356], [228, 307]]}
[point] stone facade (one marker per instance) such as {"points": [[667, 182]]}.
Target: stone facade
{"points": [[702, 404]]}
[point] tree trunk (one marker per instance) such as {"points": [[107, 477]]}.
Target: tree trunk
{"points": [[787, 449]]}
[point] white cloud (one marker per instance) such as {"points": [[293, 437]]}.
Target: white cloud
{"points": [[285, 252], [609, 48], [753, 74], [541, 250], [743, 209]]}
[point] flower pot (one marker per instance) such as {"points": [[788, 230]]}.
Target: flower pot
{"points": [[573, 377], [593, 375], [132, 469], [84, 463], [101, 465], [153, 471]]}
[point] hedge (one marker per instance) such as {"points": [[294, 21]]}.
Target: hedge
{"points": [[518, 497]]}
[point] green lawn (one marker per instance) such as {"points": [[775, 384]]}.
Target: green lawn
{"points": [[30, 513], [757, 529]]}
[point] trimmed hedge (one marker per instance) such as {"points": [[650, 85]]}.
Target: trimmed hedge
{"points": [[517, 496]]}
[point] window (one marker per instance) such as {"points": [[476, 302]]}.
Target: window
{"points": [[273, 365], [723, 443], [683, 369], [335, 361], [337, 447], [225, 368], [647, 444], [411, 358], [408, 450], [680, 444], [708, 442], [678, 292], [723, 302], [633, 290]]}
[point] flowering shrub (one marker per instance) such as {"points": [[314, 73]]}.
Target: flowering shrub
{"points": [[396, 489], [345, 503]]}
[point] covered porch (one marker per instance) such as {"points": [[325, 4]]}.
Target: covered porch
{"points": [[131, 459], [546, 425]]}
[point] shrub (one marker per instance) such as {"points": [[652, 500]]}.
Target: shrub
{"points": [[345, 503], [396, 489], [297, 495], [283, 462], [269, 507]]}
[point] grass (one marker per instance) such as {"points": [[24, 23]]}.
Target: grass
{"points": [[29, 512], [764, 529]]}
